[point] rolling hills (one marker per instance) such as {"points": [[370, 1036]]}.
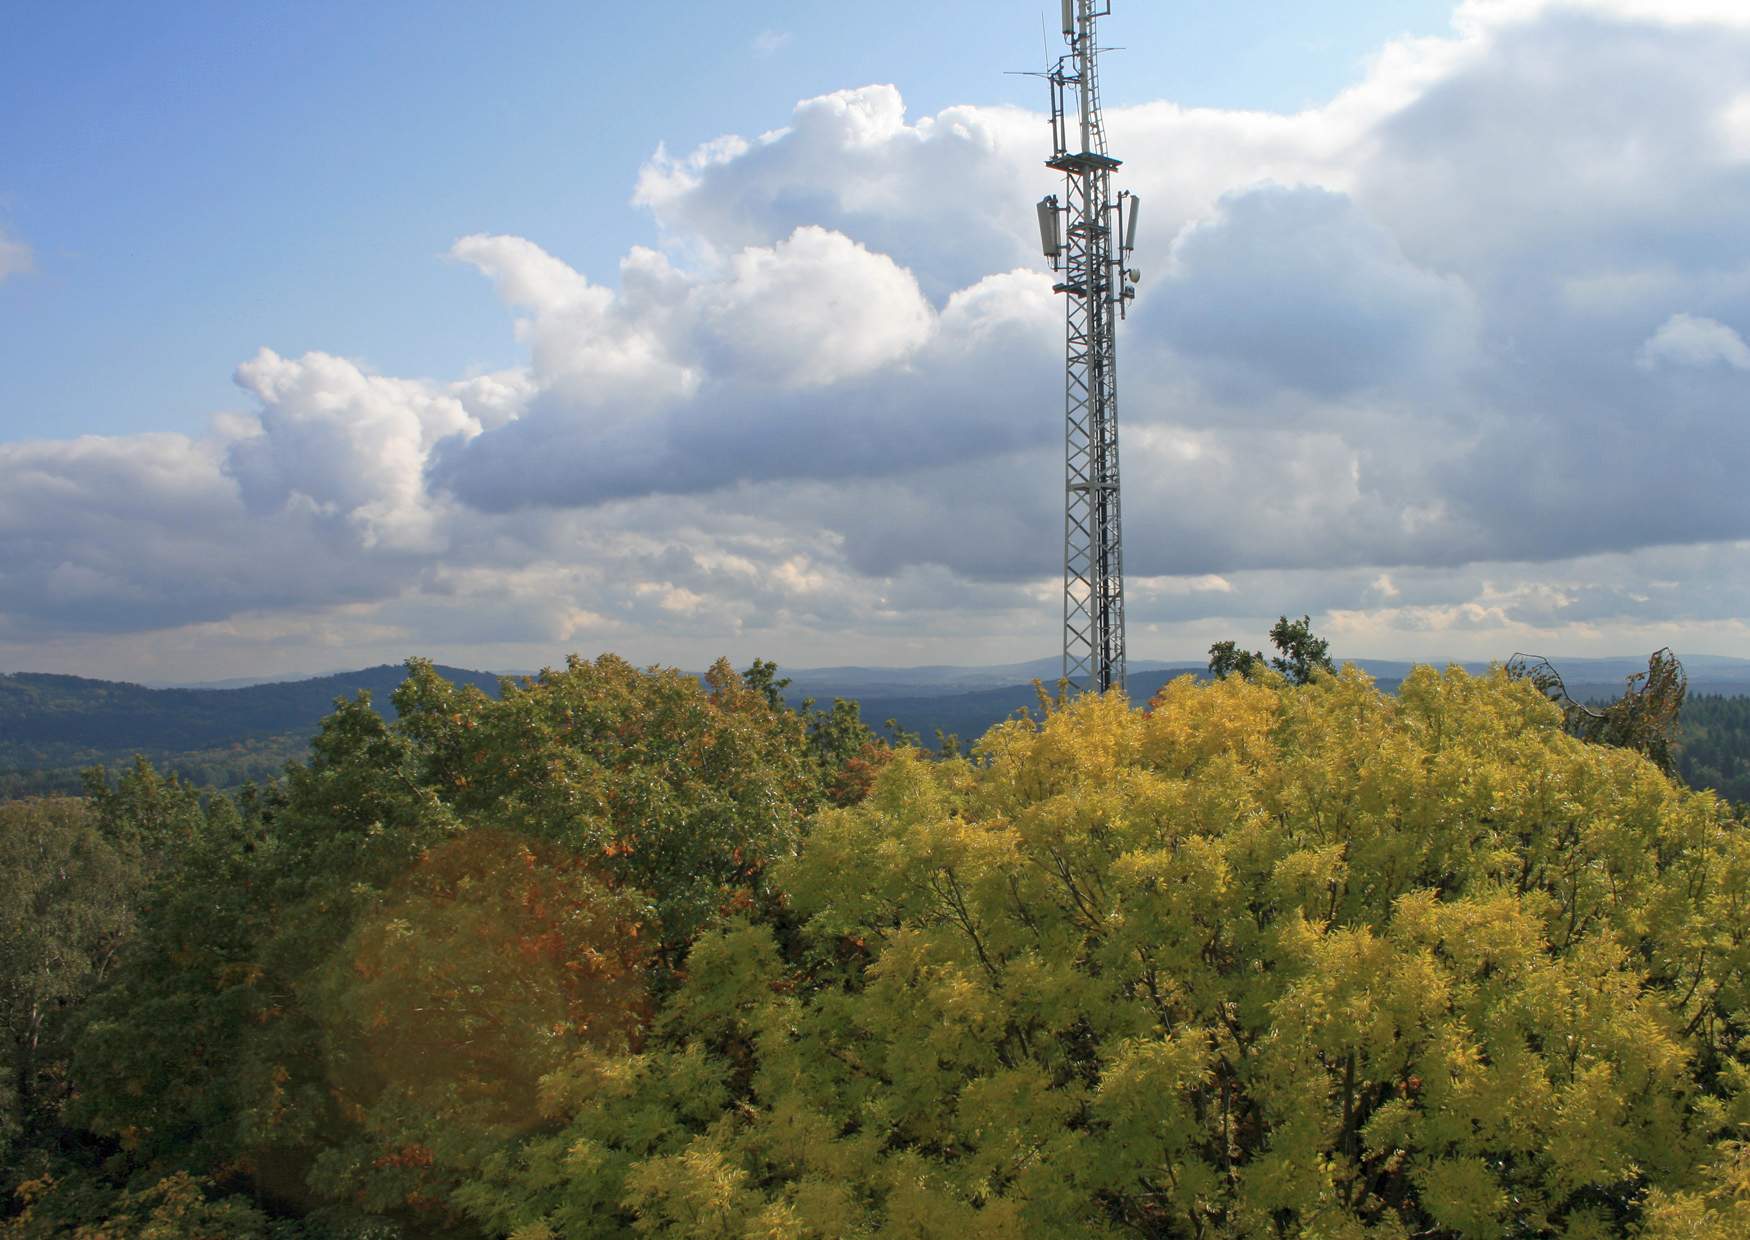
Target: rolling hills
{"points": [[53, 726]]}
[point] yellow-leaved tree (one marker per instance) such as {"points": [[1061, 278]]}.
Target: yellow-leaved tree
{"points": [[1261, 960]]}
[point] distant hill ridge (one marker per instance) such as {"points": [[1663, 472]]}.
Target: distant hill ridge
{"points": [[39, 708], [53, 706], [53, 725]]}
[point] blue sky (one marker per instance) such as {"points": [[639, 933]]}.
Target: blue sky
{"points": [[198, 180], [333, 334]]}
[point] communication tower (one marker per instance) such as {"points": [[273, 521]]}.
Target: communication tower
{"points": [[1089, 236]]}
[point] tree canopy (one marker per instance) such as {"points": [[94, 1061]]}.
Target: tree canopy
{"points": [[1300, 653], [624, 955], [1264, 960]]}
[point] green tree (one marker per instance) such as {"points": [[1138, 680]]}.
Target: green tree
{"points": [[1713, 744], [1266, 959], [66, 907], [155, 815], [847, 751], [685, 792], [79, 882], [1300, 654], [763, 679], [231, 944], [372, 968], [1226, 658], [1645, 718], [177, 1207]]}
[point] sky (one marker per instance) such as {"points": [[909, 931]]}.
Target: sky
{"points": [[331, 335]]}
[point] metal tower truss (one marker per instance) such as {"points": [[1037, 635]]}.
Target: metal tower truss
{"points": [[1088, 236]]}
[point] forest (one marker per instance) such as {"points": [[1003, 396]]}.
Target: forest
{"points": [[1713, 744], [620, 953]]}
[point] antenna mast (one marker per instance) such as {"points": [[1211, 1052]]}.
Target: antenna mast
{"points": [[1089, 237]]}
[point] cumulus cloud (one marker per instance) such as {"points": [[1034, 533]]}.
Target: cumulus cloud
{"points": [[1453, 358], [1296, 288], [108, 535], [343, 445], [765, 321], [929, 194], [1690, 340], [814, 357]]}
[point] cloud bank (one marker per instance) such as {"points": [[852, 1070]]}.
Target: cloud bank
{"points": [[1456, 362]]}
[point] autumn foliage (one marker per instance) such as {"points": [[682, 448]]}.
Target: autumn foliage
{"points": [[624, 955]]}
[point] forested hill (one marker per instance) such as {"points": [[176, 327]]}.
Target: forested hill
{"points": [[51, 726], [1713, 737], [110, 714]]}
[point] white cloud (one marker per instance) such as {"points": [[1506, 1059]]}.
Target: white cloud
{"points": [[815, 309], [1691, 340], [596, 349], [15, 256], [1734, 128], [813, 357], [929, 194], [1392, 360], [112, 535], [345, 444], [769, 42], [530, 278]]}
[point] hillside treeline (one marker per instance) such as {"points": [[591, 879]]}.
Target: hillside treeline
{"points": [[624, 955], [1713, 745], [53, 728]]}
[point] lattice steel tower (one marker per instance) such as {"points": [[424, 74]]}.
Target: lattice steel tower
{"points": [[1088, 237]]}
